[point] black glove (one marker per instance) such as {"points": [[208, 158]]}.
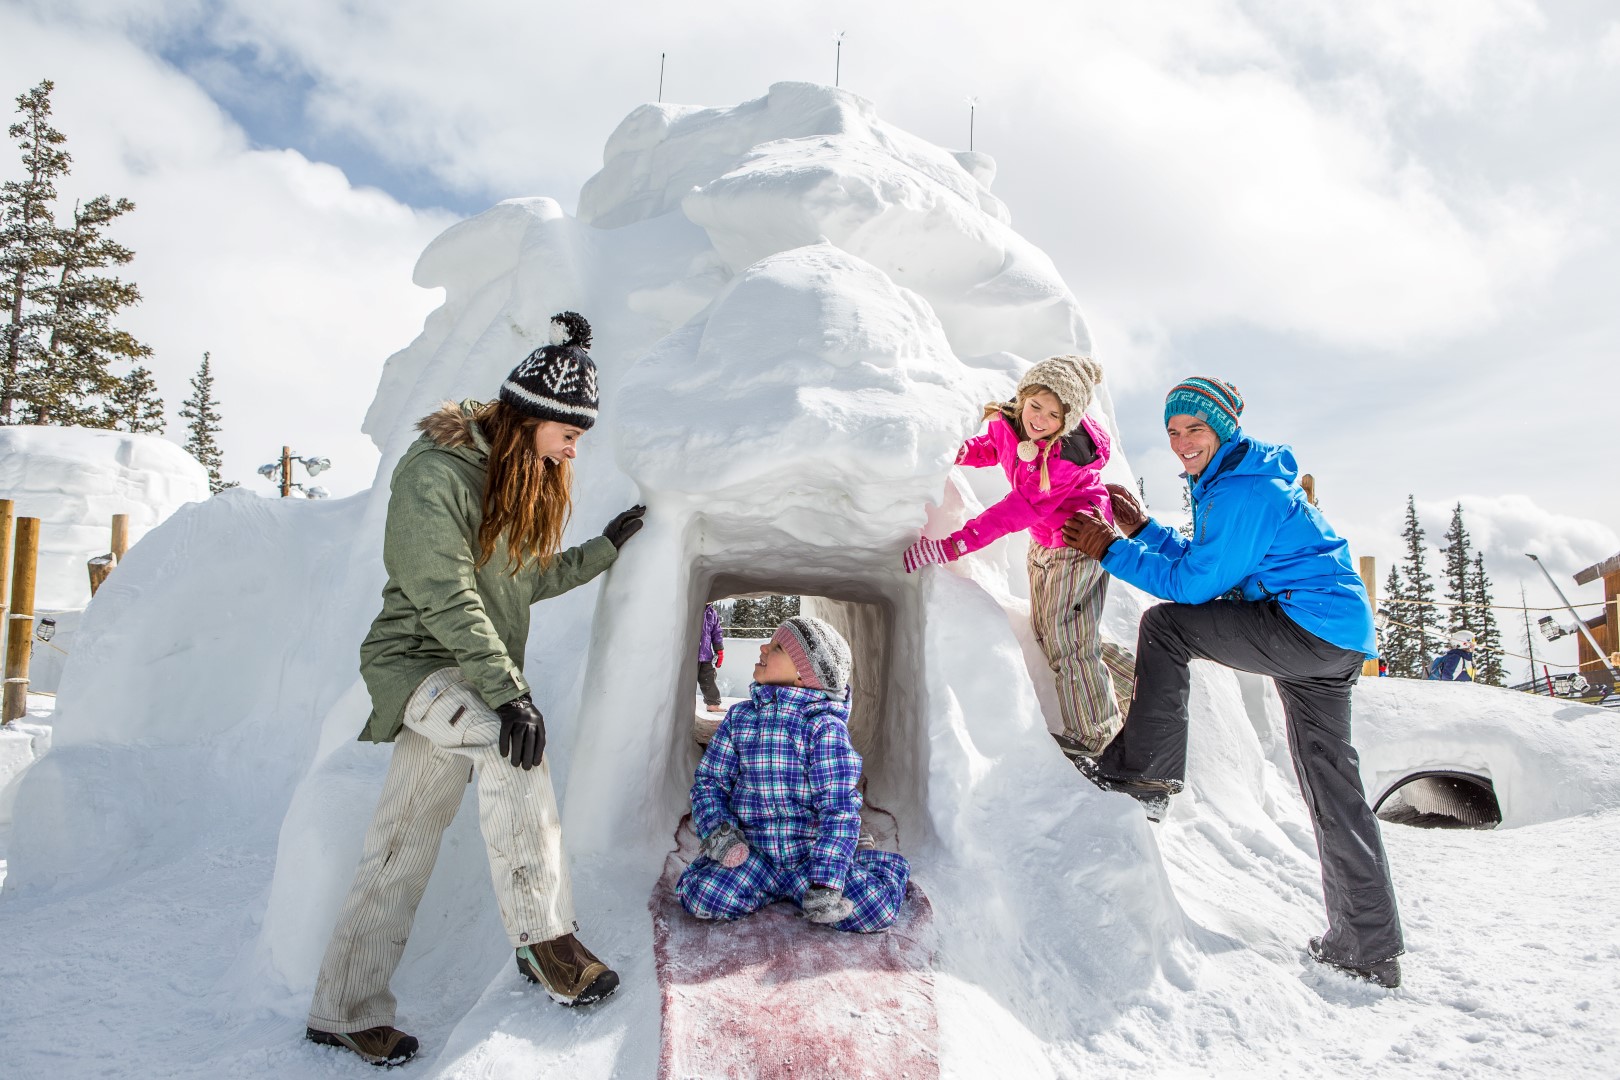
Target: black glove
{"points": [[624, 526], [523, 732]]}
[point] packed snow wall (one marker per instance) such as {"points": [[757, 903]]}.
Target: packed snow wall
{"points": [[798, 312], [74, 480]]}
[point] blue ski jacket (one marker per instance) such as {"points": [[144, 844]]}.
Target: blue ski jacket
{"points": [[1454, 665], [1255, 533]]}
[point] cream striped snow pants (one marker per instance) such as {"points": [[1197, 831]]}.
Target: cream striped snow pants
{"points": [[447, 729], [1067, 590]]}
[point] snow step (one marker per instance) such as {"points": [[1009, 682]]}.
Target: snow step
{"points": [[773, 996]]}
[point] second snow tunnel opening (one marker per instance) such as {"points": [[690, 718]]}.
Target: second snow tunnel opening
{"points": [[864, 623], [1441, 800]]}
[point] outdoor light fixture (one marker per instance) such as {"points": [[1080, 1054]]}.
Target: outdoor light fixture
{"points": [[45, 630], [1552, 629], [1380, 620], [280, 472]]}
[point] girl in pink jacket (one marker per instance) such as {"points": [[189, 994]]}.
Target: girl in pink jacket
{"points": [[1053, 454]]}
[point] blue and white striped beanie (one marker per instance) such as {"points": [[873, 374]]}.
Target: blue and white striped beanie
{"points": [[557, 381], [1216, 403]]}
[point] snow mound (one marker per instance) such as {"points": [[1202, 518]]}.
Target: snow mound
{"points": [[74, 480], [798, 312]]}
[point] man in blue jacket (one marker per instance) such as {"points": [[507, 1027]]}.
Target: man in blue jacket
{"points": [[1262, 585]]}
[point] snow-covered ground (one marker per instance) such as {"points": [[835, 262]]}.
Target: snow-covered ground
{"points": [[799, 310]]}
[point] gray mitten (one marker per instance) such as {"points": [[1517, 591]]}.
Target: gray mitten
{"points": [[826, 905], [726, 846]]}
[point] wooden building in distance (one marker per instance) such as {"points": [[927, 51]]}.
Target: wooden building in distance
{"points": [[1605, 625]]}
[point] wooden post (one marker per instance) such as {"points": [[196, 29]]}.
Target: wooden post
{"points": [[1308, 482], [1369, 578], [99, 568], [6, 508], [120, 537], [20, 620], [286, 471]]}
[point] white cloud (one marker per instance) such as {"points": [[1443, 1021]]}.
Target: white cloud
{"points": [[295, 281], [1177, 158]]}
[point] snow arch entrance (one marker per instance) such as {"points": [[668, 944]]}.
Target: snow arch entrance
{"points": [[864, 613], [1441, 799]]}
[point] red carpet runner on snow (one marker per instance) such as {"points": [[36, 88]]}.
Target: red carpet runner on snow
{"points": [[773, 996]]}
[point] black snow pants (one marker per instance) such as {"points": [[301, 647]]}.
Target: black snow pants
{"points": [[708, 683], [1314, 679]]}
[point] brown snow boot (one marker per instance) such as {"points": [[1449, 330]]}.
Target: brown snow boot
{"points": [[567, 971], [385, 1046]]}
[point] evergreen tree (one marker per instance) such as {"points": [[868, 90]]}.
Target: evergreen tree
{"points": [[1402, 653], [1459, 575], [30, 242], [760, 617], [1186, 527], [74, 376], [133, 405], [1417, 590], [1489, 664], [201, 414]]}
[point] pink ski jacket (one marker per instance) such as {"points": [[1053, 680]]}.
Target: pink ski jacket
{"points": [[1074, 468]]}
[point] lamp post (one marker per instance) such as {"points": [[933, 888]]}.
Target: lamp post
{"points": [[280, 472]]}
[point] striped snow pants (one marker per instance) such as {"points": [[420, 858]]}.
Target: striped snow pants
{"points": [[1067, 590], [449, 735]]}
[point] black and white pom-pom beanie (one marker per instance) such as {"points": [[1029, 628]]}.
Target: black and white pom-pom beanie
{"points": [[557, 381]]}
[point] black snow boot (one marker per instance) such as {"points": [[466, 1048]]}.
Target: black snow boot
{"points": [[1153, 794], [385, 1046], [1385, 973]]}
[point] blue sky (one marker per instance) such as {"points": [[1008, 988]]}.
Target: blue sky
{"points": [[1391, 224]]}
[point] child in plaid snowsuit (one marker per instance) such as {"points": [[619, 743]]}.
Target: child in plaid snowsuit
{"points": [[775, 797]]}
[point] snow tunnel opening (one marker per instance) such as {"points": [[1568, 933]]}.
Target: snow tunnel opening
{"points": [[1441, 799], [874, 612], [863, 618]]}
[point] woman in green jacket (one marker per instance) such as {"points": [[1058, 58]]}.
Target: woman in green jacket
{"points": [[476, 512]]}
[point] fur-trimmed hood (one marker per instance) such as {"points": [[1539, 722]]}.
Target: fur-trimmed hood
{"points": [[452, 426]]}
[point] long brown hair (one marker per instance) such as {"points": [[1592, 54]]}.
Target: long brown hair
{"points": [[526, 497], [1013, 412]]}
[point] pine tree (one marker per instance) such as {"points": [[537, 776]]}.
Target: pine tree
{"points": [[1459, 574], [1417, 590], [1402, 656], [1186, 527], [201, 414], [133, 405], [30, 242], [74, 376], [1489, 665]]}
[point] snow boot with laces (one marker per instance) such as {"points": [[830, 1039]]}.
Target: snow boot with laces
{"points": [[567, 971], [385, 1046]]}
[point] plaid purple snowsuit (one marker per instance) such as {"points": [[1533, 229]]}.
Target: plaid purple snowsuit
{"points": [[781, 768]]}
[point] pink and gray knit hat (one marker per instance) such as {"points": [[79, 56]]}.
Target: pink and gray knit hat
{"points": [[819, 653]]}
